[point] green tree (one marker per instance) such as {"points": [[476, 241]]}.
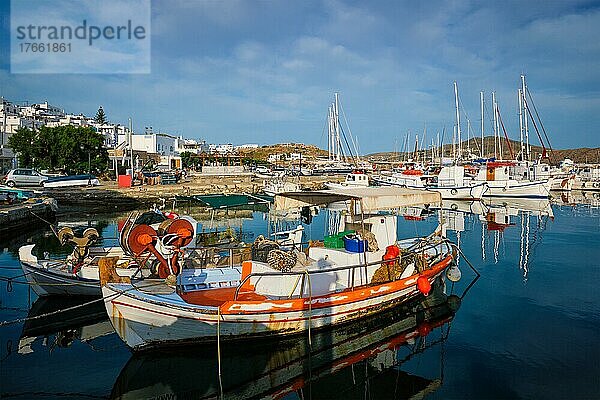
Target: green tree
{"points": [[100, 116], [74, 149], [187, 159], [22, 142]]}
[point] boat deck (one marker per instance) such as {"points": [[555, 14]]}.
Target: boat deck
{"points": [[218, 296]]}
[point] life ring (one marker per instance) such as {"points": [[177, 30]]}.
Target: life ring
{"points": [[454, 191], [454, 206], [596, 185]]}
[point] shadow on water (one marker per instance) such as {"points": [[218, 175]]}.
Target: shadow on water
{"points": [[47, 318], [346, 362]]}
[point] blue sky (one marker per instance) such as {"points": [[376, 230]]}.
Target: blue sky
{"points": [[265, 71]]}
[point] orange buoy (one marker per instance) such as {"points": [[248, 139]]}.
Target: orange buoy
{"points": [[391, 252], [423, 285]]}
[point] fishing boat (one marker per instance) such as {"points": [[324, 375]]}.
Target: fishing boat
{"points": [[274, 187], [450, 182], [352, 357], [77, 273], [500, 184], [281, 292], [71, 180], [588, 178], [353, 179]]}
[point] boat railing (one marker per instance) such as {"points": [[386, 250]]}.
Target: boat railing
{"points": [[435, 250]]}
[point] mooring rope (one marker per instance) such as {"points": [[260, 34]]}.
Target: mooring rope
{"points": [[219, 350], [108, 298], [309, 307]]}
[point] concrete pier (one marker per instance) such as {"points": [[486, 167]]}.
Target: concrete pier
{"points": [[26, 215]]}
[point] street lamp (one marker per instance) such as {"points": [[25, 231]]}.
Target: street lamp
{"points": [[89, 151]]}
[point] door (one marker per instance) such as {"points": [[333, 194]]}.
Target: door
{"points": [[491, 174]]}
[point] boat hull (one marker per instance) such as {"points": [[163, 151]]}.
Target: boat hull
{"points": [[468, 193], [145, 320], [46, 282], [521, 189]]}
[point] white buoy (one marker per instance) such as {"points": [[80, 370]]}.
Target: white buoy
{"points": [[453, 273]]}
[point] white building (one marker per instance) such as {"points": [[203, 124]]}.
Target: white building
{"points": [[276, 157], [224, 148], [161, 144], [191, 146], [247, 146]]}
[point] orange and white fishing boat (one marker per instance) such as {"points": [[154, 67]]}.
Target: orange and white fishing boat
{"points": [[288, 291]]}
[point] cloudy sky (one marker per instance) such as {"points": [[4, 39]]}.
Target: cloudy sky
{"points": [[265, 71]]}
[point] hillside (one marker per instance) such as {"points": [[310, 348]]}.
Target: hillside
{"points": [[308, 151], [581, 155]]}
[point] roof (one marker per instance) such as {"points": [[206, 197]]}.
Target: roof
{"points": [[371, 198]]}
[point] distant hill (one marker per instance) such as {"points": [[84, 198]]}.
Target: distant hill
{"points": [[308, 151], [581, 155]]}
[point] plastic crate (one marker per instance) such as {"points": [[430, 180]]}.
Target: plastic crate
{"points": [[336, 241], [333, 242], [355, 245]]}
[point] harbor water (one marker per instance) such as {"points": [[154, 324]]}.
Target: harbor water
{"points": [[528, 327]]}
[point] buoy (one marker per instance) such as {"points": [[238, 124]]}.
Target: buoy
{"points": [[423, 285], [453, 273]]}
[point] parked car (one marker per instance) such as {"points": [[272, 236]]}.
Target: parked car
{"points": [[24, 177]]}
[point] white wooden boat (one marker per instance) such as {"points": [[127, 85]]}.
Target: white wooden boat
{"points": [[330, 287], [292, 367], [353, 179], [77, 274], [59, 277]]}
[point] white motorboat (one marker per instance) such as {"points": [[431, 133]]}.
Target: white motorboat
{"points": [[71, 180]]}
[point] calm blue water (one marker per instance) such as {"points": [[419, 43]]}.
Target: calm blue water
{"points": [[528, 328]]}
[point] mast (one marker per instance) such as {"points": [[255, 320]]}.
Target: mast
{"points": [[329, 133], [454, 145], [526, 111], [457, 119], [495, 121], [520, 93], [337, 128], [131, 145], [416, 153], [482, 116]]}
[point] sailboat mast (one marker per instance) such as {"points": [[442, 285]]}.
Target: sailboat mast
{"points": [[337, 128], [454, 144], [525, 111], [495, 125], [521, 123], [457, 119], [482, 118], [329, 134]]}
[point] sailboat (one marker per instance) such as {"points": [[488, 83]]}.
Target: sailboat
{"points": [[500, 175], [337, 160]]}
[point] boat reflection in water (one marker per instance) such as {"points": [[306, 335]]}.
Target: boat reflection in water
{"points": [[357, 359], [48, 323], [534, 215]]}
